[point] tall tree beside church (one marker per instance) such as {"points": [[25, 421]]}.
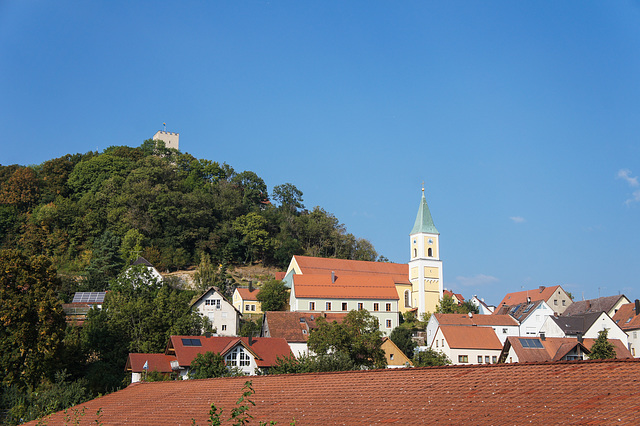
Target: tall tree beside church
{"points": [[31, 319]]}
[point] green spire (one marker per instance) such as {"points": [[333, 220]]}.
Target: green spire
{"points": [[424, 222]]}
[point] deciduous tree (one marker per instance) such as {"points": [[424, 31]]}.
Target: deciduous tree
{"points": [[273, 296]]}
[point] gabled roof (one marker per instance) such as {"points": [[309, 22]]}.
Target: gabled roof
{"points": [[156, 362], [452, 294], [345, 287], [520, 312], [554, 348], [247, 295], [601, 304], [627, 318], [567, 392], [576, 323], [295, 327], [215, 289], [141, 261], [520, 297], [424, 221], [481, 320], [324, 266], [265, 349], [470, 337], [622, 351]]}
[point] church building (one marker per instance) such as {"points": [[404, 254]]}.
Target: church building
{"points": [[384, 289]]}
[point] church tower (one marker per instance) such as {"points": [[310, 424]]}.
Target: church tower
{"points": [[425, 266]]}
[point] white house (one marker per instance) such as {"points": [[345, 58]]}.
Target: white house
{"points": [[502, 325], [628, 319], [483, 308], [224, 317], [468, 345], [586, 326]]}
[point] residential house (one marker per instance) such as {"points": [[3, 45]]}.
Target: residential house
{"points": [[140, 364], [394, 355], [555, 297], [627, 319], [456, 297], [76, 311], [224, 317], [154, 274], [343, 293], [295, 327], [545, 349], [566, 392], [608, 304], [586, 325], [467, 345], [483, 308], [246, 300], [531, 316], [502, 325]]}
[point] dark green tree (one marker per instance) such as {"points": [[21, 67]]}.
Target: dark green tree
{"points": [[289, 197], [358, 336], [31, 317], [273, 296], [208, 365], [430, 358], [402, 338], [602, 348]]}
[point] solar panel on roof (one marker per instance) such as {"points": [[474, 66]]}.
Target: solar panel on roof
{"points": [[89, 297], [191, 342], [531, 343]]}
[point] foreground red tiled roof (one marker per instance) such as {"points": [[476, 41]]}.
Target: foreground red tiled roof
{"points": [[470, 337], [324, 266], [295, 327], [626, 317], [482, 320], [157, 362], [266, 349], [248, 295], [575, 392], [518, 297], [345, 287]]}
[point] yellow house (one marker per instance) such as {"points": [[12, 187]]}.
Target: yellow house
{"points": [[246, 301], [395, 357]]}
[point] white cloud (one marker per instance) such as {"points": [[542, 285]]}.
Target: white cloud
{"points": [[477, 280], [635, 197], [517, 219], [626, 175]]}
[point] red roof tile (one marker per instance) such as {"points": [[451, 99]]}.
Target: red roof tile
{"points": [[157, 362], [265, 348], [324, 266], [470, 337], [554, 348], [482, 320], [627, 318], [248, 295], [345, 287], [575, 392], [518, 297], [295, 327]]}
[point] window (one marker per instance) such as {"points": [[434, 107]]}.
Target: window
{"points": [[253, 307], [376, 307], [388, 307], [443, 343], [479, 359], [312, 306], [436, 343], [463, 359], [391, 357], [486, 359], [555, 302], [247, 307], [328, 306], [237, 357], [224, 327], [407, 299], [504, 331], [344, 306], [360, 306], [635, 334], [430, 252], [494, 359], [388, 323], [415, 252], [564, 303]]}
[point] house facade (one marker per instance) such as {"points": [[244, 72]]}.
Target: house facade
{"points": [[467, 345], [627, 319], [555, 297], [224, 317], [246, 301], [587, 326], [502, 325]]}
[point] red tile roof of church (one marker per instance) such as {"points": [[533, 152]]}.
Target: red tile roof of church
{"points": [[345, 287], [570, 392], [324, 266], [482, 320]]}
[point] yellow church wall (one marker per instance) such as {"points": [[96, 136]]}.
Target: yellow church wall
{"points": [[414, 274], [431, 272], [401, 288], [433, 246]]}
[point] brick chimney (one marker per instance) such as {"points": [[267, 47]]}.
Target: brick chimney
{"points": [[637, 306]]}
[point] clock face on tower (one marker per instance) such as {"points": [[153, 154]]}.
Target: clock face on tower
{"points": [[430, 241]]}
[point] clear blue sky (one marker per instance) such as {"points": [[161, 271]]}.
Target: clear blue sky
{"points": [[522, 117]]}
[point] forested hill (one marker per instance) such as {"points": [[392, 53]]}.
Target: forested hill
{"points": [[92, 212]]}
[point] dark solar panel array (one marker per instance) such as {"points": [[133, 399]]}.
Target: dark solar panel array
{"points": [[89, 297], [191, 342], [531, 343]]}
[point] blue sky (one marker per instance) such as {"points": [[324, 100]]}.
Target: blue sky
{"points": [[522, 118]]}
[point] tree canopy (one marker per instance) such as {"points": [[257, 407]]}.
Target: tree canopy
{"points": [[602, 348], [273, 296]]}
